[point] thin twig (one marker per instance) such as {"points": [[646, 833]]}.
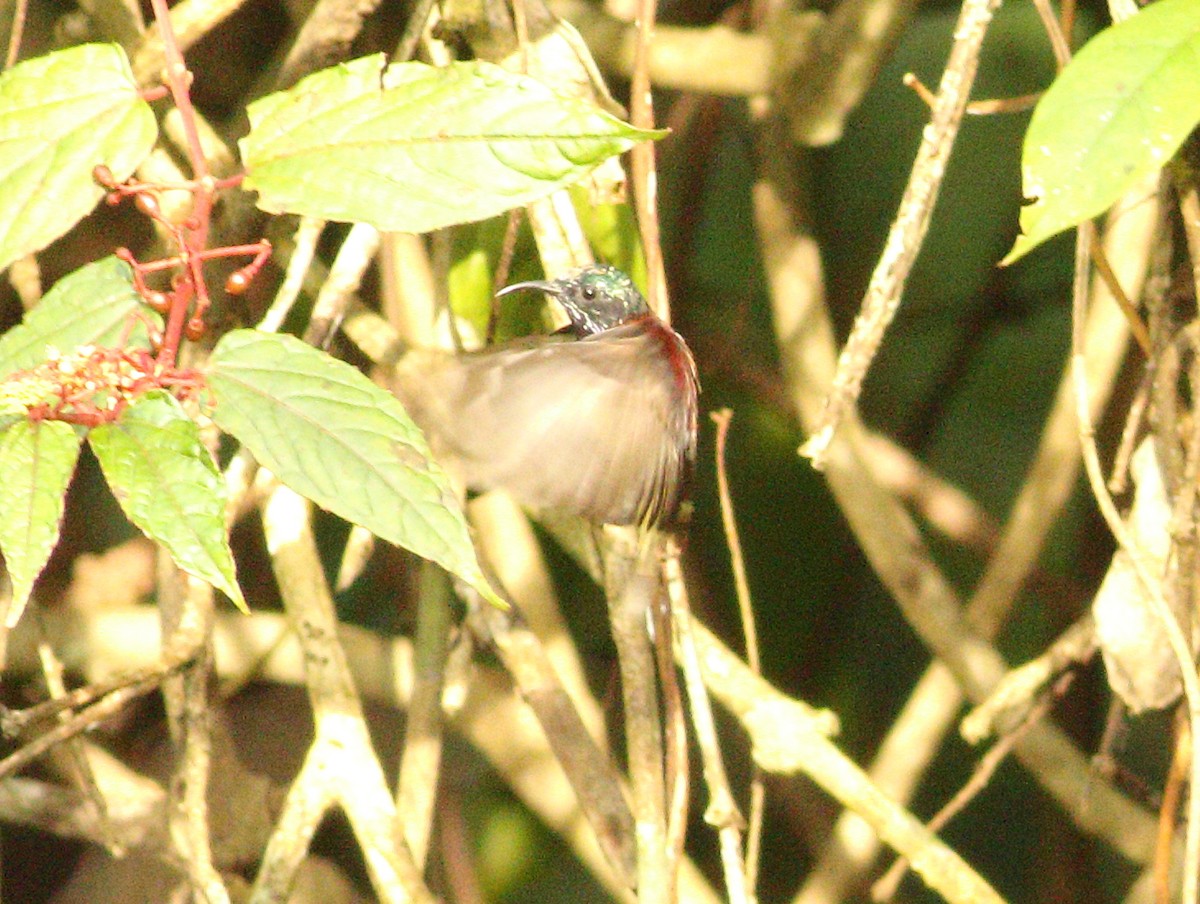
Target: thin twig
{"points": [[722, 419], [1058, 40], [1131, 432], [1136, 325], [20, 10], [308, 233], [754, 818], [1014, 697], [908, 229], [1168, 812], [991, 107], [87, 719], [722, 812], [889, 883], [76, 756], [508, 245]]}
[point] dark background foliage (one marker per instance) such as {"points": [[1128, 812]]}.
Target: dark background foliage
{"points": [[964, 381]]}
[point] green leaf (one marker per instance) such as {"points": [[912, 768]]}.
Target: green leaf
{"points": [[60, 116], [169, 486], [92, 306], [37, 459], [414, 148], [333, 436], [1117, 113]]}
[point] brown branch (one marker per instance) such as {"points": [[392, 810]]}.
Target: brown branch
{"points": [[790, 738], [341, 766], [630, 587]]}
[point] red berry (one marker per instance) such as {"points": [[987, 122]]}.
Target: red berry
{"points": [[148, 204], [238, 282]]}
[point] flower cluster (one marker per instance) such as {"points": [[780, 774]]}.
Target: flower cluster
{"points": [[89, 385]]}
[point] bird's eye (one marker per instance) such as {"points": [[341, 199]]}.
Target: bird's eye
{"points": [[589, 292]]}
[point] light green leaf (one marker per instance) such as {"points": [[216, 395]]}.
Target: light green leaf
{"points": [[333, 436], [37, 459], [60, 116], [1118, 112], [92, 306], [414, 147], [169, 486]]}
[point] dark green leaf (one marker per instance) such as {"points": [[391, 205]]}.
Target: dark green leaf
{"points": [[169, 487], [37, 459], [414, 147], [335, 437], [61, 115]]}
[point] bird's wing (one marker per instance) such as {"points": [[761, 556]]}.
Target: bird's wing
{"points": [[593, 427]]}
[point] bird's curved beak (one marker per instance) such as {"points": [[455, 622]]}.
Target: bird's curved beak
{"points": [[540, 285]]}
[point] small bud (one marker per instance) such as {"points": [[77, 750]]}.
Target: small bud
{"points": [[194, 330], [159, 301], [103, 176], [124, 254]]}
